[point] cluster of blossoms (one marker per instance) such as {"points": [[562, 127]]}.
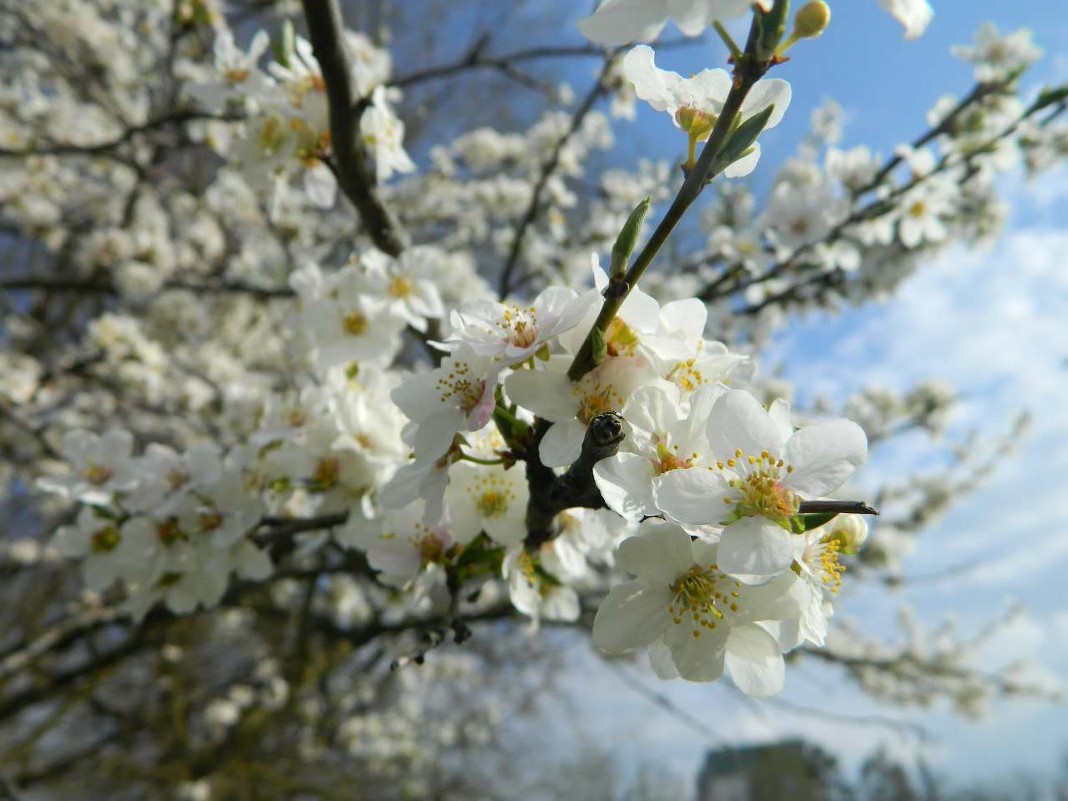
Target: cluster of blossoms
{"points": [[433, 474], [285, 127]]}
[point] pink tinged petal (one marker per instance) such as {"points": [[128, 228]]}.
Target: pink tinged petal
{"points": [[824, 456], [697, 658], [739, 421], [755, 549], [631, 616], [626, 484], [562, 443], [657, 556], [617, 22], [755, 661], [693, 496]]}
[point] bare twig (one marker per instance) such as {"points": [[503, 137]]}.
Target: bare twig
{"points": [[351, 161]]}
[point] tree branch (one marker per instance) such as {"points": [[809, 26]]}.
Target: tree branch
{"points": [[351, 160]]}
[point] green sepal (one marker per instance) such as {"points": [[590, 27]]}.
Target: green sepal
{"points": [[628, 239], [744, 137], [600, 348], [284, 46]]}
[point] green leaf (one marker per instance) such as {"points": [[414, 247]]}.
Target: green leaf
{"points": [[811, 521], [285, 44], [744, 136], [628, 239], [600, 349], [1049, 97]]}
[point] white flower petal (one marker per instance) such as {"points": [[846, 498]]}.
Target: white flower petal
{"points": [[562, 443], [658, 555], [755, 549], [693, 496], [626, 484], [824, 456], [739, 421], [755, 662], [631, 616]]}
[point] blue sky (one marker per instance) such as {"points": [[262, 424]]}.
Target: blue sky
{"points": [[991, 322]]}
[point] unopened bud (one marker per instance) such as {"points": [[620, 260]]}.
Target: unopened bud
{"points": [[811, 20], [851, 532], [695, 122]]}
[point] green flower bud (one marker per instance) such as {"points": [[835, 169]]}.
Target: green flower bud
{"points": [[811, 20]]}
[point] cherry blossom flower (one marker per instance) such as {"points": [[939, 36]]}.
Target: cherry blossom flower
{"points": [[767, 469], [707, 620], [514, 333], [695, 103], [618, 22], [101, 466], [488, 499]]}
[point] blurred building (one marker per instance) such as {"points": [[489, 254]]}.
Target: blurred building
{"points": [[792, 770]]}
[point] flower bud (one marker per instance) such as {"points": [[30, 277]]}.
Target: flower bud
{"points": [[695, 122], [811, 20], [850, 530]]}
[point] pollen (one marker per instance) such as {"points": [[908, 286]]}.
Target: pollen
{"points": [[459, 387], [704, 595], [686, 376], [758, 489], [519, 326], [492, 496]]}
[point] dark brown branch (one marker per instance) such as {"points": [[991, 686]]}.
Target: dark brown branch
{"points": [[351, 161]]}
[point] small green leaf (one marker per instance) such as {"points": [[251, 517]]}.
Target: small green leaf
{"points": [[744, 136], [811, 521], [1049, 97], [600, 349], [285, 44], [628, 239]]}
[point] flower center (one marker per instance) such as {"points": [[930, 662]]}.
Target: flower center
{"points": [[209, 521], [169, 533], [431, 549], [620, 339], [354, 323], [400, 287], [97, 474], [492, 503], [458, 386], [596, 400], [759, 487], [327, 473], [520, 326], [705, 595], [667, 458], [686, 376], [105, 540], [917, 209]]}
